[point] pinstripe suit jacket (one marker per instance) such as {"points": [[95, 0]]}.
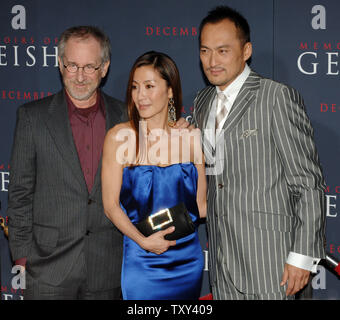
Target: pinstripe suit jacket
{"points": [[269, 198], [52, 217]]}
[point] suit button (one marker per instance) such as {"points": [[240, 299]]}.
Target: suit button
{"points": [[220, 185], [90, 201], [87, 232]]}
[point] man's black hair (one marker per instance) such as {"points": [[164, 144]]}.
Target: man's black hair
{"points": [[224, 12]]}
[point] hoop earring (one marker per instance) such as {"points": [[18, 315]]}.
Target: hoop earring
{"points": [[171, 113]]}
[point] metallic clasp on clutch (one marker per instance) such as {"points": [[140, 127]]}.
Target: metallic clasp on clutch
{"points": [[157, 214]]}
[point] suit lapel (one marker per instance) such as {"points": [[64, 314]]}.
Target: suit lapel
{"points": [[203, 105], [243, 101], [58, 123], [112, 117]]}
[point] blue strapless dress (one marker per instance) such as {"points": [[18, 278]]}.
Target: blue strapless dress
{"points": [[177, 273]]}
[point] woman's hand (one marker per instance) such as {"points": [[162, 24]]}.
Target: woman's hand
{"points": [[156, 242]]}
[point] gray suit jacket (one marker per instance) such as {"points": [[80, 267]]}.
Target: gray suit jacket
{"points": [[269, 198], [52, 217]]}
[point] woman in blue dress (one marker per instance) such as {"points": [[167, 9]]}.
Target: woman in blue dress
{"points": [[149, 166]]}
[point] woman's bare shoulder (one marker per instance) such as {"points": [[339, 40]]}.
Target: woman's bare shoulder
{"points": [[120, 128]]}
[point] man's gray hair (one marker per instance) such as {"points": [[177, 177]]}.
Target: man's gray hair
{"points": [[84, 32]]}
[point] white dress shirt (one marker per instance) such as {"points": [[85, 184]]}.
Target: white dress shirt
{"points": [[231, 93]]}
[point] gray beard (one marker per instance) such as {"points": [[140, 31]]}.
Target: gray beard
{"points": [[85, 96], [80, 97]]}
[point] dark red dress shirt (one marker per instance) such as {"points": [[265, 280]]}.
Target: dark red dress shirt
{"points": [[88, 129]]}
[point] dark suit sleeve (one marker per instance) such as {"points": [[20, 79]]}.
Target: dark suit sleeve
{"points": [[293, 137], [21, 187]]}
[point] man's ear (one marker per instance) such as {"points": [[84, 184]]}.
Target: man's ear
{"points": [[61, 65], [247, 51], [104, 69]]}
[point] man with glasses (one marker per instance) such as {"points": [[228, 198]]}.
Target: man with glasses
{"points": [[57, 227]]}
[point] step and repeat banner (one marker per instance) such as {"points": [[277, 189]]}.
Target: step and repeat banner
{"points": [[294, 42]]}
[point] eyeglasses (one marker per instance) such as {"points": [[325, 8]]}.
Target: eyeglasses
{"points": [[88, 69]]}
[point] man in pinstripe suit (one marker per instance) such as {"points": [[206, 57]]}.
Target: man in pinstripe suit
{"points": [[57, 226], [265, 186]]}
